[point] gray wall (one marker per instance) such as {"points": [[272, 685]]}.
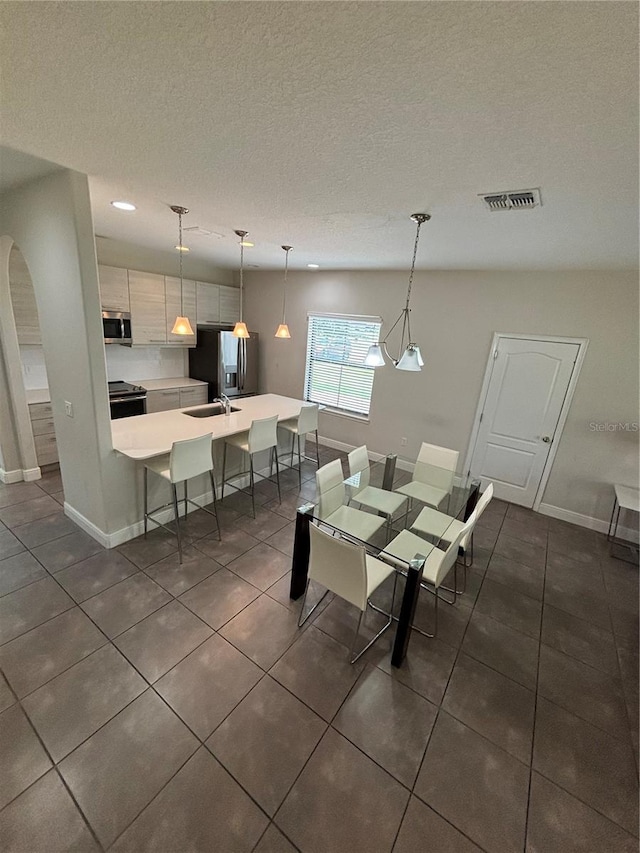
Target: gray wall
{"points": [[454, 316]]}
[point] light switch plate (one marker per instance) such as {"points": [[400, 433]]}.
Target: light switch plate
{"points": [[68, 409]]}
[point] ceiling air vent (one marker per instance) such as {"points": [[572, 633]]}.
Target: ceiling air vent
{"points": [[512, 200]]}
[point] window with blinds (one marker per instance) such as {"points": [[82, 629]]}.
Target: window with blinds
{"points": [[335, 374]]}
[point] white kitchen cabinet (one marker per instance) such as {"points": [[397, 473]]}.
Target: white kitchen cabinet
{"points": [[193, 396], [229, 304], [176, 398], [162, 401], [174, 309], [114, 288], [23, 299], [207, 303], [148, 308], [154, 303], [44, 436]]}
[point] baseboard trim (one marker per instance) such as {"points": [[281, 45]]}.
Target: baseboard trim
{"points": [[402, 464], [626, 533], [86, 525], [336, 445], [20, 475], [119, 537], [11, 476]]}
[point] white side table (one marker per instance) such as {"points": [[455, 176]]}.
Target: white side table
{"points": [[626, 497]]}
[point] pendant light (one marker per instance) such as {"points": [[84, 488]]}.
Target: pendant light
{"points": [[182, 326], [240, 329], [409, 356], [283, 330]]}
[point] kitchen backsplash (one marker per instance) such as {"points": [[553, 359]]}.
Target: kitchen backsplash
{"points": [[34, 372], [130, 363], [126, 363]]}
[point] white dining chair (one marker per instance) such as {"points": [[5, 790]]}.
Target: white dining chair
{"points": [[299, 427], [332, 507], [437, 565], [433, 523], [380, 500], [433, 475], [187, 459], [261, 436], [348, 571]]}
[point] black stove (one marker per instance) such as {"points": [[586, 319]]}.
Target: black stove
{"points": [[124, 389], [127, 400]]}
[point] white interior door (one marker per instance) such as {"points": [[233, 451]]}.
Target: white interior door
{"points": [[527, 387]]}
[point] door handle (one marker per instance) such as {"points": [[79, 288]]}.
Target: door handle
{"points": [[546, 439]]}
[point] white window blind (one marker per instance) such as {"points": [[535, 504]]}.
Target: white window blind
{"points": [[336, 348]]}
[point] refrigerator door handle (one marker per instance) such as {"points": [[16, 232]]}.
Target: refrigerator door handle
{"points": [[240, 362], [244, 363]]}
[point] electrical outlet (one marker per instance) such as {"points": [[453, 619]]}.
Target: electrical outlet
{"points": [[68, 409], [403, 442]]}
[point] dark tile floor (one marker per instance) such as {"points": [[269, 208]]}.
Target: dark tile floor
{"points": [[147, 706]]}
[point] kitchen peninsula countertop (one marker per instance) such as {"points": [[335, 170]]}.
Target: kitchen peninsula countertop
{"points": [[145, 436], [166, 384]]}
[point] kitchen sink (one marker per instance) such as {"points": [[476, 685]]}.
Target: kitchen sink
{"points": [[209, 411]]}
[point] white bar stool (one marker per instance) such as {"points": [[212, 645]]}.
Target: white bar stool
{"points": [[187, 459], [262, 435], [306, 422]]}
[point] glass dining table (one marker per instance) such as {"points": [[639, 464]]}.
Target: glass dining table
{"points": [[399, 532]]}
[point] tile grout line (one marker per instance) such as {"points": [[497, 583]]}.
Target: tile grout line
{"points": [[622, 681], [330, 725], [535, 705], [53, 767], [553, 781], [441, 709], [409, 789]]}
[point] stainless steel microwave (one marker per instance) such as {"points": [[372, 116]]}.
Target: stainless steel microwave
{"points": [[116, 327]]}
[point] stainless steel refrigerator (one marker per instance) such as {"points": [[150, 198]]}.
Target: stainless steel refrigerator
{"points": [[228, 364]]}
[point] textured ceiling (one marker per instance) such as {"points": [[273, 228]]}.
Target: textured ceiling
{"points": [[325, 124]]}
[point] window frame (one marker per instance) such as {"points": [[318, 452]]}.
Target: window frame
{"points": [[310, 359]]}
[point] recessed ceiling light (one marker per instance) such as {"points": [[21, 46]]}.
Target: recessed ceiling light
{"points": [[123, 205], [246, 243], [183, 248], [314, 266]]}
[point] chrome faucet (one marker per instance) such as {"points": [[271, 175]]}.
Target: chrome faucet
{"points": [[226, 402]]}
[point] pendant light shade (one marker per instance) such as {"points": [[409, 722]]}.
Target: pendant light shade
{"points": [[374, 357], [240, 329], [182, 326], [409, 358], [282, 331]]}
